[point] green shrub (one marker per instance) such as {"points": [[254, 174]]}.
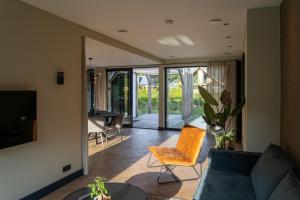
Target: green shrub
{"points": [[143, 100]]}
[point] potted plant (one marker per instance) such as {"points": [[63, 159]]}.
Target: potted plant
{"points": [[218, 117], [98, 190]]}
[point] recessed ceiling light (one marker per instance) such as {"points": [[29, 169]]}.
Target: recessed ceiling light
{"points": [[169, 21], [122, 31], [226, 24], [215, 21], [228, 37]]}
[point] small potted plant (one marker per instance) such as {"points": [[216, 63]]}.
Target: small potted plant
{"points": [[98, 190], [219, 115]]}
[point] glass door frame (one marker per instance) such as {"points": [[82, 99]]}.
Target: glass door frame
{"points": [[166, 90], [129, 70]]}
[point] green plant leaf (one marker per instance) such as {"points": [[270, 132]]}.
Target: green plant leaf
{"points": [[230, 136], [238, 108], [207, 121], [210, 113], [98, 187], [220, 141], [208, 98], [226, 98], [226, 113]]}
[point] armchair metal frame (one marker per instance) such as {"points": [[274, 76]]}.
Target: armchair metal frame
{"points": [[169, 169], [185, 154]]}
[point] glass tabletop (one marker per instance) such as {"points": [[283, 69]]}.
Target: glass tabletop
{"points": [[118, 191]]}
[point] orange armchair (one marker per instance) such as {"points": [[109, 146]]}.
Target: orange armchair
{"points": [[185, 153]]}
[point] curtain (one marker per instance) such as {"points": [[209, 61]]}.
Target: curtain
{"points": [[186, 75], [100, 89], [221, 76]]}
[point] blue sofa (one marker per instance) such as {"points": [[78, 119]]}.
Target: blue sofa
{"points": [[233, 175]]}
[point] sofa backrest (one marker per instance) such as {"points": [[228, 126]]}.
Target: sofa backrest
{"points": [[288, 188], [269, 171]]}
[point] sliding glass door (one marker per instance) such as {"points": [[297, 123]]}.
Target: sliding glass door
{"points": [[183, 102], [119, 84]]}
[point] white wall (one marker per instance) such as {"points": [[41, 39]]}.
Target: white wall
{"points": [[34, 46], [263, 78]]}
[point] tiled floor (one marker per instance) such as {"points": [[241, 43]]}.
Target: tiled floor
{"points": [[127, 162]]}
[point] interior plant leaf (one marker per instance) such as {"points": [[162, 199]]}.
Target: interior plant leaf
{"points": [[238, 108], [220, 141], [230, 136], [226, 113], [97, 188], [226, 98], [207, 121], [220, 119], [208, 98], [209, 113]]}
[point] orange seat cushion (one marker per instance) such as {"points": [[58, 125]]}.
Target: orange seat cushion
{"points": [[187, 149], [170, 156]]}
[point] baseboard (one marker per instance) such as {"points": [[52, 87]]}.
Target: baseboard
{"points": [[54, 186]]}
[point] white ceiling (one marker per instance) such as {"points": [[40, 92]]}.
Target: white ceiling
{"points": [[145, 22], [106, 56]]}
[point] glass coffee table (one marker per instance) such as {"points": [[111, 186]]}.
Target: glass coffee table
{"points": [[118, 191]]}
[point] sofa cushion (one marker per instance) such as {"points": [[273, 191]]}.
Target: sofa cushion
{"points": [[268, 172], [288, 189], [216, 185]]}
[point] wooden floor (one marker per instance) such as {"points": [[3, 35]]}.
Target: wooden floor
{"points": [[127, 162]]}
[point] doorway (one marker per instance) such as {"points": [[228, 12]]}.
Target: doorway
{"points": [[119, 93], [145, 99], [184, 105], [134, 92]]}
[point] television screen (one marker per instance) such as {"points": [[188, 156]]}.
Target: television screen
{"points": [[17, 117]]}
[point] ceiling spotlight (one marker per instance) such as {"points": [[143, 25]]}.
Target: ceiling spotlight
{"points": [[228, 37], [226, 24], [215, 21], [169, 21], [122, 31]]}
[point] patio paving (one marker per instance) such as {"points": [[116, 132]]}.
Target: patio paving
{"points": [[127, 162], [174, 121], [146, 121]]}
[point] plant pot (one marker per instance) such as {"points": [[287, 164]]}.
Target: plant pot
{"points": [[103, 197], [231, 145]]}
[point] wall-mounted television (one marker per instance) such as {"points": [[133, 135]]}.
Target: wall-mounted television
{"points": [[18, 124]]}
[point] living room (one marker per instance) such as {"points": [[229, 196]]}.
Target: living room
{"points": [[43, 41]]}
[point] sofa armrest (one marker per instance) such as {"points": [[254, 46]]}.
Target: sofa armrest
{"points": [[232, 161]]}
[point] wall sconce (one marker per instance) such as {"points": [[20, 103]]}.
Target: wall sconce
{"points": [[60, 78]]}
